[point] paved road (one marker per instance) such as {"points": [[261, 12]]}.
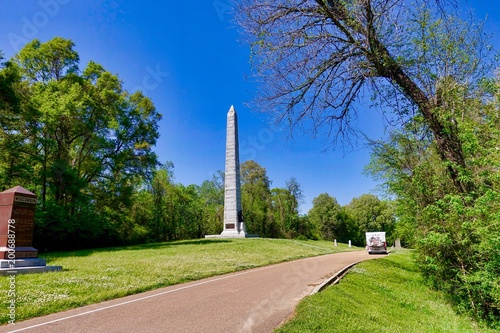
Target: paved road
{"points": [[256, 300]]}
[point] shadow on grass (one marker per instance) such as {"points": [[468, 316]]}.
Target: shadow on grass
{"points": [[151, 246]]}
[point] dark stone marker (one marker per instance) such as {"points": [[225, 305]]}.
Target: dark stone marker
{"points": [[17, 204]]}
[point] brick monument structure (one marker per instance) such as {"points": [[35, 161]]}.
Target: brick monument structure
{"points": [[17, 223]]}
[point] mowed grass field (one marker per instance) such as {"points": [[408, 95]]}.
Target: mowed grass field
{"points": [[91, 276], [382, 296]]}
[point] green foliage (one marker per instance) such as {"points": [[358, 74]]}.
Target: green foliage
{"points": [[211, 194], [325, 214], [79, 141], [349, 223], [286, 220], [256, 198], [369, 213], [44, 62], [456, 234], [459, 252]]}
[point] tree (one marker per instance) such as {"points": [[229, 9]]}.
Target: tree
{"points": [[285, 208], [369, 213], [293, 186], [316, 58], [211, 194], [284, 222], [255, 198], [83, 140], [190, 212], [164, 224], [325, 214]]}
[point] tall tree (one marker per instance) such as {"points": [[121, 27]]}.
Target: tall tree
{"points": [[256, 197], [284, 222], [164, 223], [316, 58], [285, 206], [83, 139], [369, 213], [325, 214], [211, 194], [293, 186]]}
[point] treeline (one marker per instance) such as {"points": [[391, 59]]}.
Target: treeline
{"points": [[163, 210], [352, 221], [84, 144]]}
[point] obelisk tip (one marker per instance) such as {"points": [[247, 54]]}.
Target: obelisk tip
{"points": [[231, 109]]}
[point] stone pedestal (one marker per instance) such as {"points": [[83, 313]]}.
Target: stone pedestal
{"points": [[17, 223], [23, 266]]}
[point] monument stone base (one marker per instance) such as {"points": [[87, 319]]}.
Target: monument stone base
{"points": [[28, 265], [232, 234], [228, 234]]}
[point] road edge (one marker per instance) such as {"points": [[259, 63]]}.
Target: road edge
{"points": [[335, 278]]}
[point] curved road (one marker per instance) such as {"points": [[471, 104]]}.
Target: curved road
{"points": [[255, 300]]}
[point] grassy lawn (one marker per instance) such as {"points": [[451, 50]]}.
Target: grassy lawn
{"points": [[92, 276], [384, 295]]}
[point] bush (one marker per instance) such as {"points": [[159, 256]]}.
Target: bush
{"points": [[459, 252]]}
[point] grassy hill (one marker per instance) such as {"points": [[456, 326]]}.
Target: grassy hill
{"points": [[384, 295], [379, 296]]}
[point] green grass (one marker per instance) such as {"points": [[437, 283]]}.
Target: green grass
{"points": [[383, 295], [92, 276]]}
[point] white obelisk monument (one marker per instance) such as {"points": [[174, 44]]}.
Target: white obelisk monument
{"points": [[233, 217]]}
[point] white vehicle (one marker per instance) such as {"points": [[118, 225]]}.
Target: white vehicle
{"points": [[375, 242]]}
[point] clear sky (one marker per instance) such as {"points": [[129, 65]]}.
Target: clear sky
{"points": [[187, 57]]}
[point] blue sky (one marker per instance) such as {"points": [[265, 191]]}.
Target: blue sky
{"points": [[187, 57]]}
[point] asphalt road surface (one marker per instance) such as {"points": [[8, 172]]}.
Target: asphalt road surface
{"points": [[255, 300]]}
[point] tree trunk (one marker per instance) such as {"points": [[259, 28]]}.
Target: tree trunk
{"points": [[448, 144]]}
